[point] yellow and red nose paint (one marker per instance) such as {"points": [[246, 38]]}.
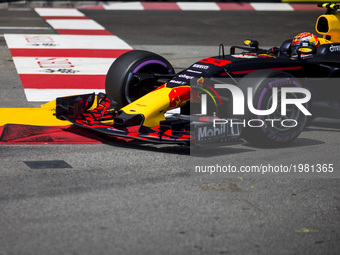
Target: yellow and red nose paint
{"points": [[179, 96], [154, 104]]}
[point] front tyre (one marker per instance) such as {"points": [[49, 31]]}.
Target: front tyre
{"points": [[120, 84], [274, 129]]}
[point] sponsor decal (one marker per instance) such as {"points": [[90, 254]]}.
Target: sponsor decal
{"points": [[205, 132], [56, 65], [219, 131], [243, 56], [177, 82], [193, 71], [204, 67], [38, 41], [186, 76], [305, 50], [333, 48], [60, 70]]}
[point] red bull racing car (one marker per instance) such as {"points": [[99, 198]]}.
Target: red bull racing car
{"points": [[264, 96]]}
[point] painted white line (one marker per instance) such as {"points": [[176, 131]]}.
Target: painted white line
{"points": [[58, 12], [75, 24], [46, 95], [124, 6], [44, 78], [26, 28], [272, 6], [198, 6], [53, 41], [59, 65]]}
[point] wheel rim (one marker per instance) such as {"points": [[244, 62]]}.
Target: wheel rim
{"points": [[134, 90]]}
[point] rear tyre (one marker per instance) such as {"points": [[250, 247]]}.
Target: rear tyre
{"points": [[119, 83], [272, 130]]}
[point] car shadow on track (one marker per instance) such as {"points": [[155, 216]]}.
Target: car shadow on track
{"points": [[299, 142], [324, 127], [177, 149], [220, 151], [207, 152], [153, 147], [213, 151]]}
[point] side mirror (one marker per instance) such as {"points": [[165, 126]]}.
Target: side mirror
{"points": [[251, 43]]}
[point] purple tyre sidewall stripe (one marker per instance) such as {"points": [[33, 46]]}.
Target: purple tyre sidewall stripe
{"points": [[149, 62], [153, 61], [264, 91]]}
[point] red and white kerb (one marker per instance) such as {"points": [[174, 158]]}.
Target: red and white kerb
{"points": [[75, 61]]}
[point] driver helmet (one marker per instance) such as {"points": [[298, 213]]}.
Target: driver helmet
{"points": [[304, 40]]}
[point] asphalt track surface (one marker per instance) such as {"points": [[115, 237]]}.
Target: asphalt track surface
{"points": [[136, 198]]}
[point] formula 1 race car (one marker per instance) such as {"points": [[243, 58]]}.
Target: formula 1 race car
{"points": [[285, 87]]}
